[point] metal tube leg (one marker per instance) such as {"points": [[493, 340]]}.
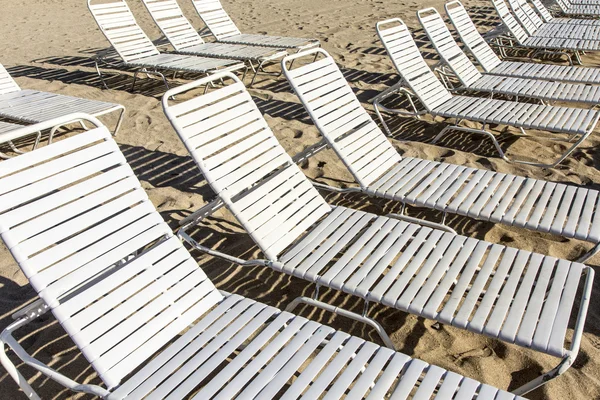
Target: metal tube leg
{"points": [[589, 254], [255, 70], [543, 379], [100, 74], [135, 75], [385, 127], [11, 368], [119, 122]]}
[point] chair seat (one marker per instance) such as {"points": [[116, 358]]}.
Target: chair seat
{"points": [[568, 31], [514, 295], [181, 62], [284, 355], [269, 41], [521, 115], [543, 206], [565, 73], [562, 44], [34, 106], [234, 51]]}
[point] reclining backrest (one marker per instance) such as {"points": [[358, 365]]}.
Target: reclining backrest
{"points": [[173, 24], [444, 43], [510, 21], [94, 248], [470, 37], [410, 64], [244, 163], [525, 17], [342, 120], [542, 10], [115, 20], [216, 18], [7, 83]]}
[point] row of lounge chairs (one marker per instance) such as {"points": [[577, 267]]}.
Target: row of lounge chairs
{"points": [[152, 325], [233, 50]]}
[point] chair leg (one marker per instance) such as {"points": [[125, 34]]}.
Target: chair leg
{"points": [[481, 131], [119, 122], [100, 74], [344, 313], [594, 250], [9, 366]]}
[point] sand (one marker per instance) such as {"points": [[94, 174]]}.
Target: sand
{"points": [[46, 45]]}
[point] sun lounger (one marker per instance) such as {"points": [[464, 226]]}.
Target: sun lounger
{"points": [[570, 9], [115, 20], [492, 64], [185, 40], [380, 171], [7, 136], [224, 29], [547, 16], [419, 81], [536, 27], [461, 67], [386, 260], [145, 315], [33, 106], [542, 45]]}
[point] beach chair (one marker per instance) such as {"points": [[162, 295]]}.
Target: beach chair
{"points": [[223, 28], [419, 81], [461, 68], [183, 37], [570, 9], [535, 26], [547, 207], [492, 64], [145, 315], [571, 48], [547, 16], [136, 50], [428, 272], [33, 106]]}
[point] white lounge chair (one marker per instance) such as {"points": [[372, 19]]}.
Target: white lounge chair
{"points": [[417, 80], [224, 30], [461, 67], [427, 272], [145, 315], [542, 45], [548, 207], [33, 106], [185, 40], [492, 64], [136, 50], [570, 9], [547, 16], [536, 27]]}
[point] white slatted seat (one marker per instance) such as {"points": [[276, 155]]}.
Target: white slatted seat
{"points": [[117, 23], [406, 266], [536, 27], [583, 10], [438, 101], [185, 40], [547, 16], [7, 135], [224, 29], [563, 210], [492, 64], [147, 318], [33, 106], [471, 79], [543, 44]]}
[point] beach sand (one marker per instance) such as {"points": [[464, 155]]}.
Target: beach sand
{"points": [[46, 45]]}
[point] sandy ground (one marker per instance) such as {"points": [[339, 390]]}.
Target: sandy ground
{"points": [[46, 45]]}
